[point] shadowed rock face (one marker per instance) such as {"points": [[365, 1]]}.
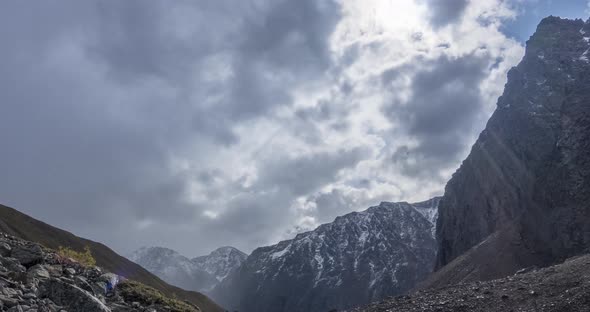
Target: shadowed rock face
{"points": [[358, 258], [528, 175]]}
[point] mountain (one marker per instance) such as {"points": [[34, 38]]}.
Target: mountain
{"points": [[173, 268], [24, 227], [220, 262], [201, 273], [521, 198], [360, 257], [560, 288]]}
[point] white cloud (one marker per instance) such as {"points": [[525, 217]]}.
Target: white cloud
{"points": [[282, 115]]}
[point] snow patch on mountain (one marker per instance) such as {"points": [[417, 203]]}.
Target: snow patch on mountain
{"points": [[201, 273], [220, 262], [382, 251]]}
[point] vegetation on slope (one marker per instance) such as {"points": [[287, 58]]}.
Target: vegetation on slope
{"points": [[20, 225]]}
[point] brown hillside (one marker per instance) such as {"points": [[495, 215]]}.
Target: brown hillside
{"points": [[25, 227]]}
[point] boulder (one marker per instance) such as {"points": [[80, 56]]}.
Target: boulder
{"points": [[38, 271], [12, 265], [5, 249], [71, 297], [28, 255], [8, 302]]}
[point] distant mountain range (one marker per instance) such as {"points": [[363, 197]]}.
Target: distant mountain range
{"points": [[201, 273], [360, 257]]}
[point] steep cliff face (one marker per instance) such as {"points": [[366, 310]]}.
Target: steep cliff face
{"points": [[525, 187], [358, 258]]}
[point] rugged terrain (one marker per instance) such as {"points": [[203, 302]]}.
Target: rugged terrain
{"points": [[358, 258], [521, 198], [34, 278], [27, 228], [220, 262], [201, 273], [561, 288]]}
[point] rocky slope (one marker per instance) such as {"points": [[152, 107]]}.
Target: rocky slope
{"points": [[521, 197], [30, 229], [33, 278], [201, 273], [561, 288], [358, 258]]}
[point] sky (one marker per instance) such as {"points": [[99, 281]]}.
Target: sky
{"points": [[199, 124]]}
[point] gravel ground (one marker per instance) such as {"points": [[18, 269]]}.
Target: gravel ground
{"points": [[564, 287]]}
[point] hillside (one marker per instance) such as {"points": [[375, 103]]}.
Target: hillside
{"points": [[22, 226]]}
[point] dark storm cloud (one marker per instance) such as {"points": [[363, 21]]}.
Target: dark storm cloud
{"points": [[302, 175], [444, 12], [97, 97], [441, 112]]}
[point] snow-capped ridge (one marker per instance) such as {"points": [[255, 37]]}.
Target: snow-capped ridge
{"points": [[381, 251], [200, 273]]}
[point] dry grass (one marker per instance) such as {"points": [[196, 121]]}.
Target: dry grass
{"points": [[133, 291], [83, 257]]}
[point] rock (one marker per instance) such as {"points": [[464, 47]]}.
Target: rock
{"points": [[71, 297], [54, 270], [15, 309], [70, 271], [29, 296], [10, 292], [28, 255], [12, 265], [5, 249], [9, 302], [38, 271], [108, 277], [83, 283]]}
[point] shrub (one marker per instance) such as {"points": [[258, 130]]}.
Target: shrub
{"points": [[132, 291], [83, 257]]}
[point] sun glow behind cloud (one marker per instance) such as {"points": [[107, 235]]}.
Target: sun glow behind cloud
{"points": [[280, 116]]}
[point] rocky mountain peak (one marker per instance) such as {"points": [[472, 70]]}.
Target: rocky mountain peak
{"points": [[221, 261], [359, 257], [525, 186], [201, 273]]}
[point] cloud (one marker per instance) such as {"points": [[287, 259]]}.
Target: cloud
{"points": [[199, 124], [441, 110], [444, 12]]}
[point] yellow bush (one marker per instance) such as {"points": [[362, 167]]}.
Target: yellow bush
{"points": [[83, 257]]}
